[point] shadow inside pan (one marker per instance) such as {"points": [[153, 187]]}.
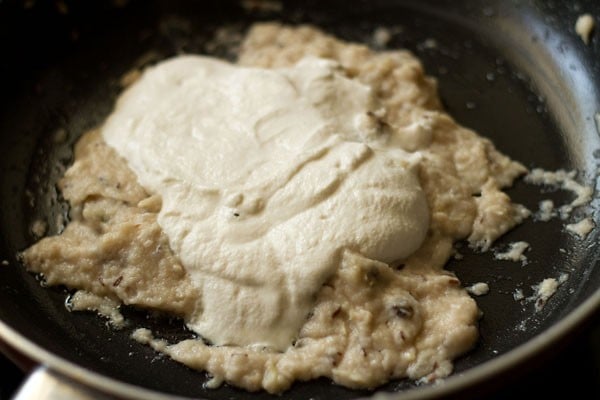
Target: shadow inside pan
{"points": [[516, 74]]}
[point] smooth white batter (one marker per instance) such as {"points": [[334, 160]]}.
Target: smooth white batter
{"points": [[266, 178]]}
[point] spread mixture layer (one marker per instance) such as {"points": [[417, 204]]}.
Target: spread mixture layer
{"points": [[296, 209]]}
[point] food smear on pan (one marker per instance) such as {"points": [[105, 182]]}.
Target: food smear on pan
{"points": [[515, 252], [295, 208]]}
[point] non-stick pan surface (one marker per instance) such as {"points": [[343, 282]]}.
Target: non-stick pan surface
{"points": [[514, 71]]}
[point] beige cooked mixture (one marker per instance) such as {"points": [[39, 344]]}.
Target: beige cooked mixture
{"points": [[370, 322]]}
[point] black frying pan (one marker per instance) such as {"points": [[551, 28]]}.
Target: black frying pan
{"points": [[514, 71]]}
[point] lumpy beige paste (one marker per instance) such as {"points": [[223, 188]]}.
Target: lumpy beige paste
{"points": [[370, 321]]}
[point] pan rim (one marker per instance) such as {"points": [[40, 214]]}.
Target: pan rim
{"points": [[453, 384]]}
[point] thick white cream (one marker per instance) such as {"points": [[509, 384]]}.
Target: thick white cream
{"points": [[266, 176]]}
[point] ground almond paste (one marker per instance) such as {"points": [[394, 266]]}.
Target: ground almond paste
{"points": [[297, 212]]}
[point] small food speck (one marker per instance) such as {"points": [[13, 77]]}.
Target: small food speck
{"points": [[518, 295], [562, 278], [581, 228], [543, 291], [38, 228], [214, 383], [381, 37], [514, 253], [430, 43], [562, 179], [479, 289], [584, 27], [546, 211]]}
